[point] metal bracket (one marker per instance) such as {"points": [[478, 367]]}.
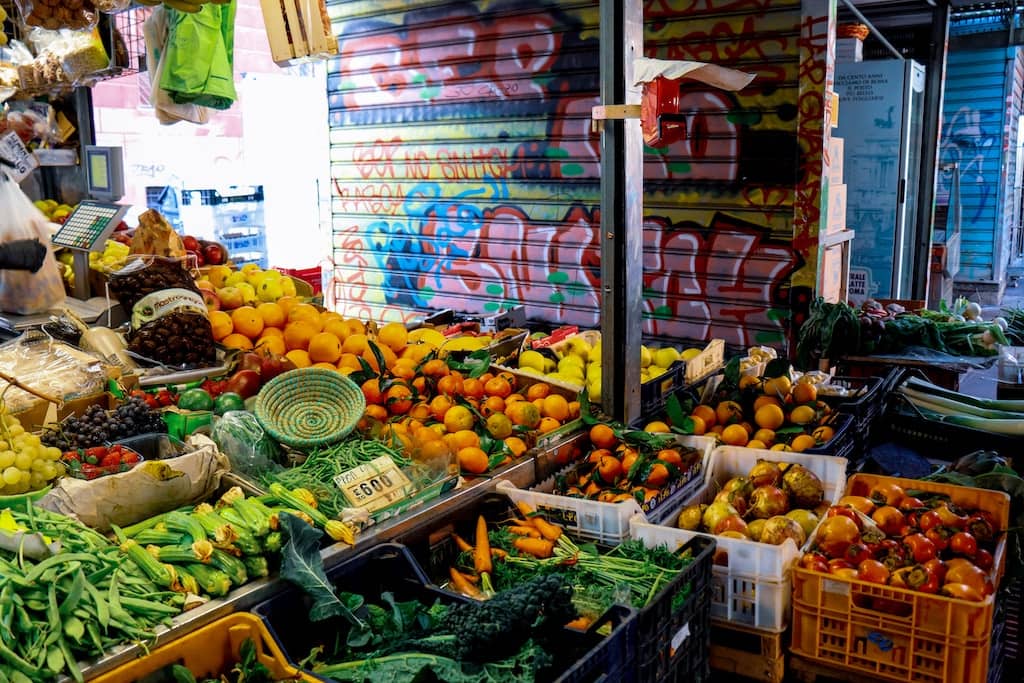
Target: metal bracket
{"points": [[603, 112]]}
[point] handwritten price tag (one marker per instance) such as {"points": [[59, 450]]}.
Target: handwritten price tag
{"points": [[375, 484], [13, 150]]}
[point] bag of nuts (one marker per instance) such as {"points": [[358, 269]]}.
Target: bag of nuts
{"points": [[55, 14], [169, 321]]}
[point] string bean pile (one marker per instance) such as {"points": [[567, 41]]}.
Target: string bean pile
{"points": [[318, 471]]}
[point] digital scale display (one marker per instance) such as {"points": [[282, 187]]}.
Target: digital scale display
{"points": [[89, 225]]}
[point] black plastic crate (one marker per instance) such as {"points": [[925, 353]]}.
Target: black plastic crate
{"points": [[674, 630], [843, 443], [391, 567], [866, 406]]}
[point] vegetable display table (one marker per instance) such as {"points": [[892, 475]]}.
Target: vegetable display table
{"points": [[942, 369]]}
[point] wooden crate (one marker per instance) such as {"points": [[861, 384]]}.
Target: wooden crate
{"points": [[298, 30], [748, 652]]}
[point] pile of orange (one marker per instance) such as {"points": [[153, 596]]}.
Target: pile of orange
{"points": [[779, 404], [615, 469]]}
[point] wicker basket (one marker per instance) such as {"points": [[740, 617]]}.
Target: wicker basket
{"points": [[309, 407]]}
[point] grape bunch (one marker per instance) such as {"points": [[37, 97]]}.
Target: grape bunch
{"points": [[98, 427], [25, 464]]}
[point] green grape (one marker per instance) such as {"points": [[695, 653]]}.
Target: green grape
{"points": [[52, 453], [7, 458], [32, 440], [23, 460], [49, 470], [36, 481], [11, 476], [39, 465], [24, 476], [15, 430], [4, 445]]}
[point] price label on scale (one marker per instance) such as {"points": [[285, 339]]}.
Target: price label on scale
{"points": [[20, 161], [375, 484]]}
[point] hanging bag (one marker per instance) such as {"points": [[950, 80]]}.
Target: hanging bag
{"points": [[23, 292]]}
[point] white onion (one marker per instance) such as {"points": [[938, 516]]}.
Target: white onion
{"points": [[1001, 322], [987, 338], [972, 310]]}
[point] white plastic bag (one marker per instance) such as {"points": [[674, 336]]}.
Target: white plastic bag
{"points": [[22, 292]]}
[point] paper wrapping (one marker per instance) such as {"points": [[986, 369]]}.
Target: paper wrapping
{"points": [[646, 70], [149, 489]]}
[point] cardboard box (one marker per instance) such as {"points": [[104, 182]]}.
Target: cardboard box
{"points": [[835, 273], [836, 219], [849, 50], [836, 150]]}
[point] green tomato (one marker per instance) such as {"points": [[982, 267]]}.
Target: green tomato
{"points": [[195, 399], [229, 400]]}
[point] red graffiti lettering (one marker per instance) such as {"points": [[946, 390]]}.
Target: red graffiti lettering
{"points": [[373, 198], [376, 159], [417, 165], [744, 44], [671, 9], [475, 165]]}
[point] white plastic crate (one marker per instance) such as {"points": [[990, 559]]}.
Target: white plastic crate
{"points": [[751, 581], [606, 523]]}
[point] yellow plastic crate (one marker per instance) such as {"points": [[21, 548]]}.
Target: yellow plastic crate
{"points": [[210, 651]]}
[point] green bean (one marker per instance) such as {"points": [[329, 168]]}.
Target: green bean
{"points": [[102, 609]]}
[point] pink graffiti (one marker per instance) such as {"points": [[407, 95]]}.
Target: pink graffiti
{"points": [[712, 143]]}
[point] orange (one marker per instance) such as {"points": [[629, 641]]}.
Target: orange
{"points": [[299, 358], [354, 343], [439, 405], [657, 477], [349, 360], [379, 413], [749, 427], [728, 412], [272, 332], [802, 415], [435, 368], [609, 469], [749, 381], [430, 450], [512, 398], [465, 438], [538, 402], [472, 460], [450, 385], [306, 312], [603, 436], [298, 334], [717, 429], [802, 442], [766, 436], [324, 347], [237, 341], [355, 326], [472, 388], [516, 445], [499, 426], [371, 391], [523, 413], [499, 386], [755, 443], [404, 368], [287, 303], [656, 427], [735, 435], [555, 406], [538, 390], [337, 327], [247, 321], [778, 386], [491, 405], [270, 343], [394, 336], [221, 323], [458, 418], [272, 314], [699, 427], [780, 447], [762, 401], [416, 352], [399, 399], [574, 409], [823, 433], [325, 366], [769, 417], [370, 357], [706, 413], [548, 424], [805, 392], [421, 411]]}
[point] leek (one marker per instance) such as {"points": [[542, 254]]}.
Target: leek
{"points": [[989, 404]]}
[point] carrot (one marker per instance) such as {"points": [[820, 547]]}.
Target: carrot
{"points": [[520, 522], [482, 555], [551, 532], [580, 623], [538, 547], [499, 553], [461, 544], [524, 531], [462, 584]]}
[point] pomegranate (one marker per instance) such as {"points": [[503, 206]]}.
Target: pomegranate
{"points": [[716, 512], [768, 501], [689, 518], [740, 484], [805, 518], [765, 473], [777, 529], [732, 523], [735, 497], [803, 486]]}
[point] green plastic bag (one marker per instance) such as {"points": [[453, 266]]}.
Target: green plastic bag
{"points": [[200, 56]]}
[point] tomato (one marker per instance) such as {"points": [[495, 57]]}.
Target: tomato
{"points": [[984, 559], [886, 493], [816, 562], [844, 572], [961, 591], [898, 578], [836, 534], [919, 548], [936, 567], [962, 543], [165, 398], [872, 571], [939, 536], [950, 517], [889, 519], [909, 503], [929, 520], [858, 552], [845, 511], [982, 526]]}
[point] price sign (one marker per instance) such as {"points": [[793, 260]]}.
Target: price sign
{"points": [[20, 161], [375, 484]]}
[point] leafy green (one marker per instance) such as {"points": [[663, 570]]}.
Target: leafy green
{"points": [[414, 666], [302, 565], [473, 365]]}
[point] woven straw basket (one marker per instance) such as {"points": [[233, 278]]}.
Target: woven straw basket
{"points": [[309, 407]]}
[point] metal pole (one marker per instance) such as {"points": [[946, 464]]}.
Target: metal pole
{"points": [[621, 212], [931, 129]]}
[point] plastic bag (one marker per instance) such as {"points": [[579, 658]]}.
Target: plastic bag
{"points": [[167, 111], [23, 292], [250, 450], [55, 14], [49, 366]]}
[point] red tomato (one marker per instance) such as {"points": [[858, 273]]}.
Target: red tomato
{"points": [[962, 543], [845, 511], [872, 571], [909, 503], [962, 591], [950, 517], [891, 554], [857, 553], [816, 562], [919, 548], [936, 567], [972, 576], [982, 526]]}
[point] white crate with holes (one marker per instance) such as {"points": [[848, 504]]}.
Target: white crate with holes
{"points": [[750, 583]]}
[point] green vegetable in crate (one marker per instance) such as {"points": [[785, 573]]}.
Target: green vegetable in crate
{"points": [[248, 669]]}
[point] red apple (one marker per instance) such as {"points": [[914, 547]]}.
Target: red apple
{"points": [[190, 243], [251, 361], [214, 254], [210, 299]]}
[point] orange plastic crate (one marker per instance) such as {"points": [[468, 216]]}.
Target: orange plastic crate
{"points": [[209, 651], [893, 633]]}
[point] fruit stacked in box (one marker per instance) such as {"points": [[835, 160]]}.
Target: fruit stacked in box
{"points": [[760, 506]]}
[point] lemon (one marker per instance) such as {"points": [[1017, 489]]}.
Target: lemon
{"points": [[532, 359], [665, 357], [567, 362], [646, 357], [690, 354]]}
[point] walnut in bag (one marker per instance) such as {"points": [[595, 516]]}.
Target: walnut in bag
{"points": [[55, 14], [169, 321]]}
